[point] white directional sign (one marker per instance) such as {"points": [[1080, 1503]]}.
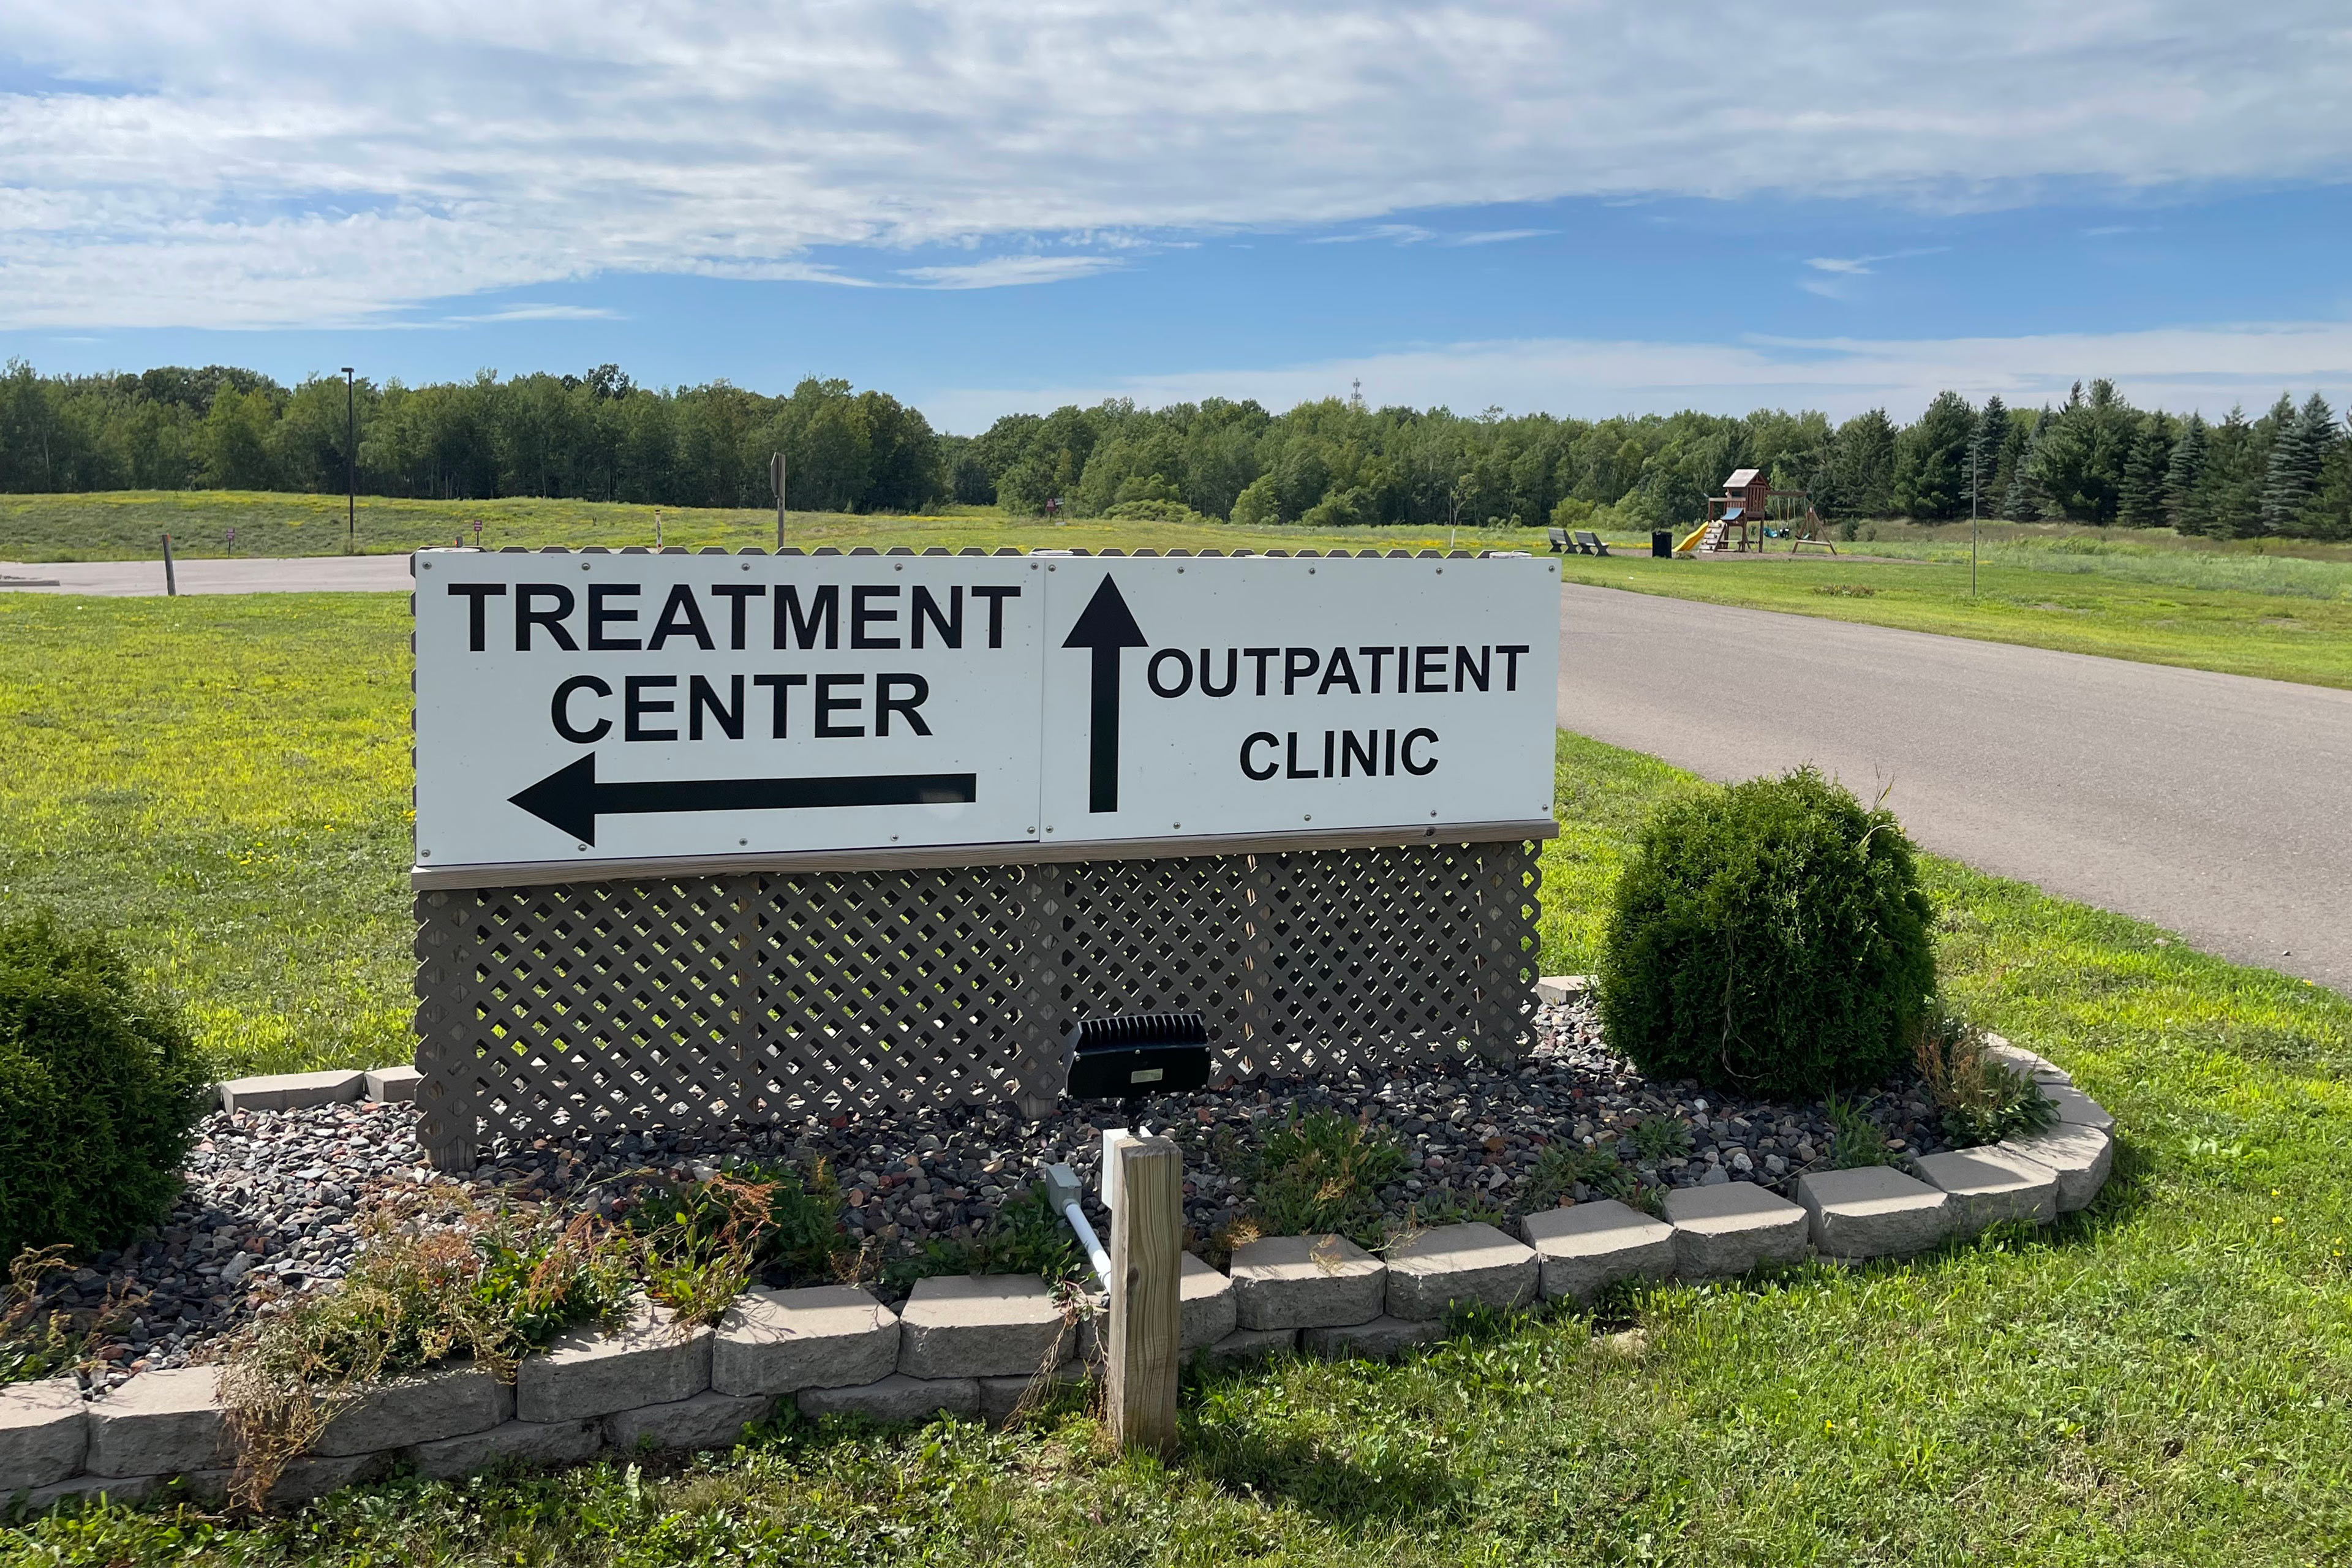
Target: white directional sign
{"points": [[600, 706]]}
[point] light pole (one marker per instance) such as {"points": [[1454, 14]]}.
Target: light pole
{"points": [[351, 464]]}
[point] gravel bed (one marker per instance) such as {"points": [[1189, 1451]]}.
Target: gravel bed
{"points": [[274, 1198]]}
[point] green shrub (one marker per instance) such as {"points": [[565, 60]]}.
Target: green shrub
{"points": [[100, 1093], [1771, 938]]}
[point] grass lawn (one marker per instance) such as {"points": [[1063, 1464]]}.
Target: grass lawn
{"points": [[2164, 1379], [128, 525], [2143, 596]]}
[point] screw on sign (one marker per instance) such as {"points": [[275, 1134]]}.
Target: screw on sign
{"points": [[232, 542], [478, 534]]}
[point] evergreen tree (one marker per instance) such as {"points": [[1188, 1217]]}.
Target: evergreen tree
{"points": [[2298, 451], [2141, 502], [1984, 454], [2028, 500], [1931, 461], [1865, 465], [2182, 479], [2230, 493]]}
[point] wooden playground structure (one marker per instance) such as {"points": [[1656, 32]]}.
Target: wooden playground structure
{"points": [[1749, 514]]}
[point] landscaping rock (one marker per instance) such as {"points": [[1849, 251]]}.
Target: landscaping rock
{"points": [[1377, 1341], [988, 1325], [2081, 1157], [705, 1421], [1458, 1265], [566, 1442], [1307, 1282], [159, 1424], [43, 1433], [1875, 1211], [780, 1341], [895, 1399], [2078, 1109], [1730, 1230], [392, 1086], [418, 1410], [1000, 1396], [1988, 1185], [1584, 1249], [591, 1371], [290, 1091], [1248, 1344]]}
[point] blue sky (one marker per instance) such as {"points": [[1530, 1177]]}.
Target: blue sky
{"points": [[989, 207]]}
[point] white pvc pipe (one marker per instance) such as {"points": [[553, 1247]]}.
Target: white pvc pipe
{"points": [[1087, 1239]]}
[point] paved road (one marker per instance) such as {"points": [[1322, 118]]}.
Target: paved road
{"points": [[2217, 805], [297, 575]]}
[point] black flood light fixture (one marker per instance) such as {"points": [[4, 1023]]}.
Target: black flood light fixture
{"points": [[1130, 1056]]}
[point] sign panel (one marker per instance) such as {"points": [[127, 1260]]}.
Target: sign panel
{"points": [[615, 707]]}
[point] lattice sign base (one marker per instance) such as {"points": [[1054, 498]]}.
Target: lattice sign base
{"points": [[762, 997]]}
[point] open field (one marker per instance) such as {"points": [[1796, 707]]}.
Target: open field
{"points": [[2164, 1379], [128, 525], [2124, 594]]}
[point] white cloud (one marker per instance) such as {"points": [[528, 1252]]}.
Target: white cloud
{"points": [[2208, 367], [1008, 271], [542, 313], [281, 163]]}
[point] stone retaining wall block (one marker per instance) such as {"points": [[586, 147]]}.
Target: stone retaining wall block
{"points": [[418, 1410], [1248, 1344], [989, 1325], [1207, 1309], [43, 1433], [85, 1489], [2078, 1109], [780, 1341], [1000, 1396], [158, 1424], [2041, 1069], [392, 1086], [1307, 1282], [1988, 1185], [1583, 1250], [569, 1442], [592, 1372], [1458, 1265], [1874, 1211], [290, 1091], [895, 1399], [1378, 1339], [2082, 1156], [1731, 1228], [705, 1421]]}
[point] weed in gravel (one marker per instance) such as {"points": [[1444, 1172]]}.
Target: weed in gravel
{"points": [[1320, 1172], [1027, 1236], [1855, 1140], [1982, 1100], [1563, 1166], [1660, 1138]]}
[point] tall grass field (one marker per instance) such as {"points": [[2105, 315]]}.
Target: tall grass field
{"points": [[2163, 1379]]}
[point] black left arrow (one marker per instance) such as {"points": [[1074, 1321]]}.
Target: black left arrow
{"points": [[1106, 627], [571, 799]]}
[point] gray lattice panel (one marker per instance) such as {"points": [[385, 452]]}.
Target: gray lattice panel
{"points": [[764, 998]]}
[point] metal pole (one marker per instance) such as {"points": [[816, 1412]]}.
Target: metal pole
{"points": [[171, 578], [1976, 453], [351, 464], [778, 472]]}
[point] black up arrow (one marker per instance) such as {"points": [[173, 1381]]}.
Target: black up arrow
{"points": [[571, 799], [1107, 627]]}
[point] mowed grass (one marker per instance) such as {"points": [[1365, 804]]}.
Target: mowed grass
{"points": [[2144, 597], [2165, 1379], [223, 785], [128, 525]]}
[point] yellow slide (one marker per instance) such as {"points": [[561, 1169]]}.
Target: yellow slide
{"points": [[1690, 540]]}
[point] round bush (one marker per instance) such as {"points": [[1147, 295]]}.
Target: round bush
{"points": [[1771, 938], [98, 1094]]}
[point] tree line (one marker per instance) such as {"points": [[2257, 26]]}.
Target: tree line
{"points": [[2092, 458]]}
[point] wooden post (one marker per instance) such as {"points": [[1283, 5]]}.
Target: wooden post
{"points": [[1147, 1228]]}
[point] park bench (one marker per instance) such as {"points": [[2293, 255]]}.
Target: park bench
{"points": [[1588, 543], [1559, 539]]}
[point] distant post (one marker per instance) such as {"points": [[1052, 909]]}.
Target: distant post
{"points": [[777, 473], [1146, 1226], [170, 579], [351, 464]]}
